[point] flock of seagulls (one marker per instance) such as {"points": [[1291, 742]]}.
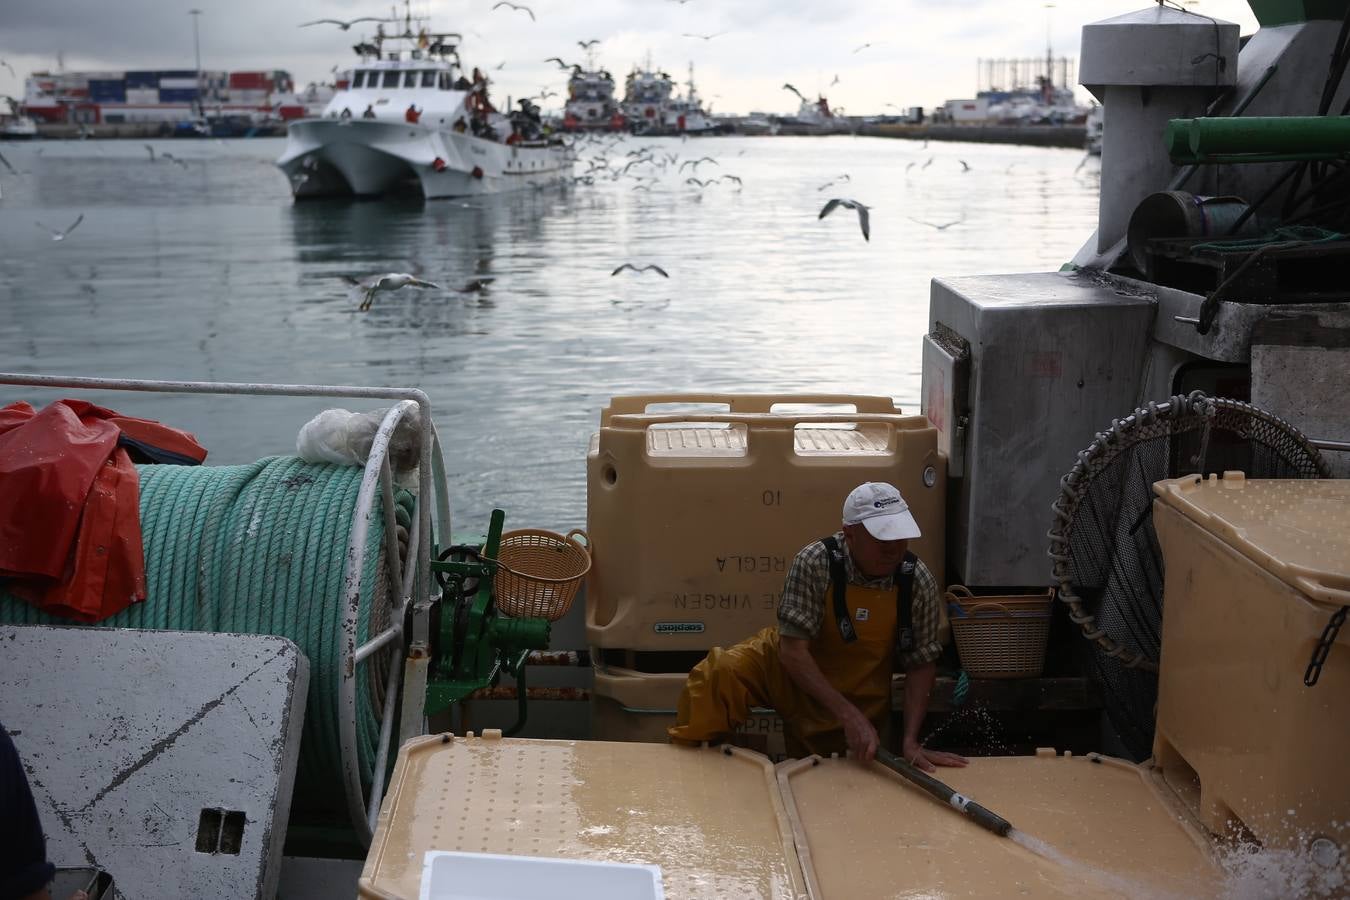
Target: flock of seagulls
{"points": [[642, 164]]}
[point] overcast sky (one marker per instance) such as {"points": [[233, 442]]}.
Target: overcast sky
{"points": [[924, 51]]}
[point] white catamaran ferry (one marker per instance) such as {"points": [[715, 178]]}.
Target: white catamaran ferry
{"points": [[410, 118]]}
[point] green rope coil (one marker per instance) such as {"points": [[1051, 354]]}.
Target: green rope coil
{"points": [[261, 549]]}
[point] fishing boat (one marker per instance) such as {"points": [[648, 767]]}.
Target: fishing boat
{"points": [[646, 97], [410, 119], [15, 125], [590, 102], [1170, 406]]}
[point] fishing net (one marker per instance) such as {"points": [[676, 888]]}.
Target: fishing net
{"points": [[1107, 560]]}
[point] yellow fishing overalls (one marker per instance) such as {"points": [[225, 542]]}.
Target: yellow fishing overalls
{"points": [[723, 689]]}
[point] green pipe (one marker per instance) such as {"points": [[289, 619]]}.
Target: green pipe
{"points": [[962, 804], [1267, 138]]}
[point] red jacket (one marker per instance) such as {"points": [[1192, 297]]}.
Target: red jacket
{"points": [[70, 528]]}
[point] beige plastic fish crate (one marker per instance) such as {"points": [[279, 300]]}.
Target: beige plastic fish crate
{"points": [[640, 706], [1255, 570], [696, 516]]}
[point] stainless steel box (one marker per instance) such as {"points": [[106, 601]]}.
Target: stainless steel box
{"points": [[1019, 373]]}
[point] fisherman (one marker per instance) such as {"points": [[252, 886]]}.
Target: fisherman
{"points": [[346, 112], [853, 604], [460, 126], [369, 113], [412, 115]]}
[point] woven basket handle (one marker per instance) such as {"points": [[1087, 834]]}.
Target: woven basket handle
{"points": [[979, 606], [959, 592], [585, 540]]}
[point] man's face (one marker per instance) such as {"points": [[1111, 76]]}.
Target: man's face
{"points": [[875, 558]]}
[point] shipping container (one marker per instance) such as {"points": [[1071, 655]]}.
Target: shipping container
{"points": [[142, 96], [178, 95], [250, 79], [142, 80], [101, 91], [177, 83], [177, 73]]}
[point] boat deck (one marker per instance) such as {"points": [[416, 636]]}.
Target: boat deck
{"points": [[722, 822]]}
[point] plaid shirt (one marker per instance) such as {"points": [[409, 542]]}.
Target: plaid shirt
{"points": [[807, 592]]}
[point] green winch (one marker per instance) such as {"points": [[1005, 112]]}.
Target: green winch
{"points": [[473, 643]]}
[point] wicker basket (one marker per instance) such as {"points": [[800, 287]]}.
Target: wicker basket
{"points": [[539, 572], [1001, 636]]}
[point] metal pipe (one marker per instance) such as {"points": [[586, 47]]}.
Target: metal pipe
{"points": [[384, 637], [1336, 446], [378, 775], [351, 608], [395, 566], [977, 813]]}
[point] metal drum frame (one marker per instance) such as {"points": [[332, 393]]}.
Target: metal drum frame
{"points": [[412, 587]]}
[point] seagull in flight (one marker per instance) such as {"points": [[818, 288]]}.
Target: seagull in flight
{"points": [[854, 205], [586, 45], [927, 164], [705, 37], [695, 162], [943, 227], [173, 159], [788, 87], [13, 171], [61, 235], [340, 23], [840, 180], [561, 64], [8, 66], [393, 281], [965, 166], [648, 268], [861, 49], [151, 151], [836, 81], [517, 7]]}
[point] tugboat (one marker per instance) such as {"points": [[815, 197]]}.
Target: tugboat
{"points": [[590, 101], [685, 114], [411, 119], [813, 117]]}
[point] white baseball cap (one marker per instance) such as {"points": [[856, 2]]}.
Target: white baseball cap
{"points": [[882, 511]]}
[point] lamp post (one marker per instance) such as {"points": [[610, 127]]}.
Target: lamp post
{"points": [[196, 44]]}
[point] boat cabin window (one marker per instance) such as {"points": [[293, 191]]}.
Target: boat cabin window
{"points": [[444, 80], [391, 78], [429, 79], [358, 79], [410, 79]]}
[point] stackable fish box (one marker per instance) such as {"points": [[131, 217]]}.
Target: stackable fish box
{"points": [[695, 517]]}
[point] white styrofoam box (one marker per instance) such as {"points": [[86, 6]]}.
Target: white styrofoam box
{"points": [[454, 875]]}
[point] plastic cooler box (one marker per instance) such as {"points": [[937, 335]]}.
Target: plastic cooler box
{"points": [[1255, 571], [695, 517]]}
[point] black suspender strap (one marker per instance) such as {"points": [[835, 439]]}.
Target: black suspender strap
{"points": [[839, 581], [904, 583]]}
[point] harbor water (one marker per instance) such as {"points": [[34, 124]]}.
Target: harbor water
{"points": [[201, 267]]}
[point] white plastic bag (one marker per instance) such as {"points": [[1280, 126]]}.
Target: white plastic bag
{"points": [[344, 437]]}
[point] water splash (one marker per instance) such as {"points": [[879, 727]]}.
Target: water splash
{"points": [[1318, 869], [976, 727], [1127, 887]]}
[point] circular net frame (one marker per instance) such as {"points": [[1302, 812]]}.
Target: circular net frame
{"points": [[1107, 560]]}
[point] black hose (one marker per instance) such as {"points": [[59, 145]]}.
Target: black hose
{"points": [[962, 804]]}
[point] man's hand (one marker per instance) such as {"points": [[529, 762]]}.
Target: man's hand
{"points": [[928, 760], [861, 736]]}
